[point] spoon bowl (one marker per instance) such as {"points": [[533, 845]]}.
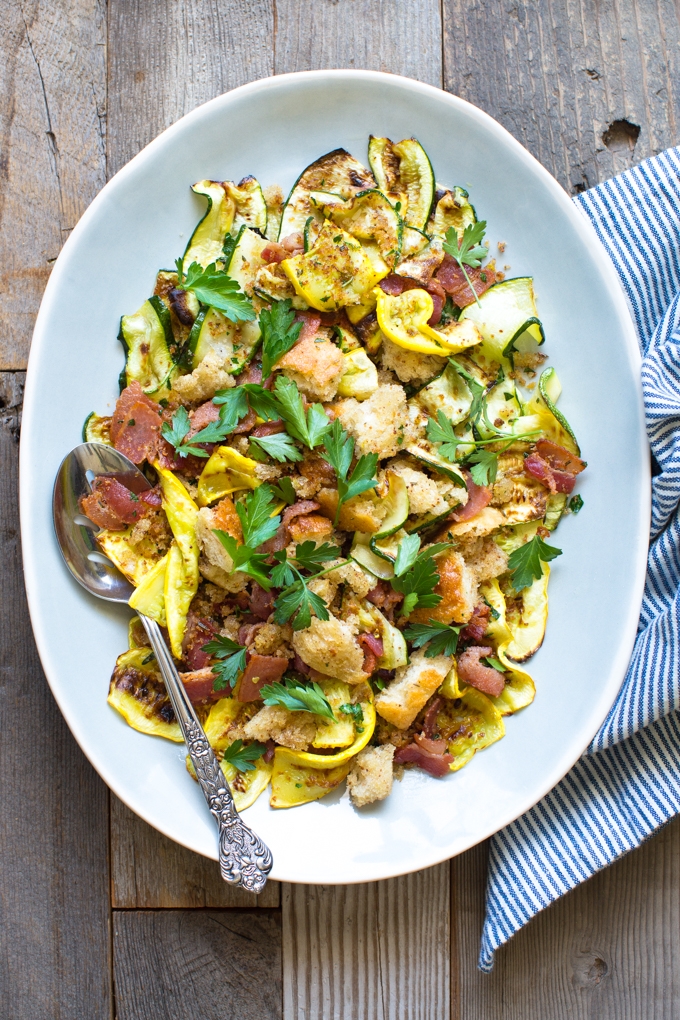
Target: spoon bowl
{"points": [[244, 858], [75, 533]]}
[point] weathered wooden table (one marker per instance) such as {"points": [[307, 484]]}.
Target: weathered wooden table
{"points": [[102, 916]]}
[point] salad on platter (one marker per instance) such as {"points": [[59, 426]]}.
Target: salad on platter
{"points": [[356, 463]]}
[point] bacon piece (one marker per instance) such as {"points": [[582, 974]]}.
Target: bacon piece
{"points": [[247, 632], [268, 755], [111, 505], [310, 325], [274, 253], [395, 284], [303, 506], [384, 596], [436, 764], [373, 650], [260, 670], [452, 279], [484, 678], [553, 465], [300, 666], [294, 243], [199, 686], [268, 428], [251, 374], [136, 424], [438, 295], [246, 424], [428, 744], [199, 630], [430, 720], [261, 602], [475, 629], [479, 496], [152, 497], [278, 542], [202, 416]]}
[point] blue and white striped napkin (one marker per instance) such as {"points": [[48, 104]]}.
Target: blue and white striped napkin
{"points": [[627, 783]]}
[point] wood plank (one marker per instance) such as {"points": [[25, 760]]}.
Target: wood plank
{"points": [[559, 73], [149, 870], [54, 937], [170, 56], [378, 951], [399, 36], [52, 163], [212, 965], [609, 949]]}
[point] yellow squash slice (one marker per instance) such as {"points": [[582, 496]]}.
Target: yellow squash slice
{"points": [[220, 717], [339, 732], [301, 776], [402, 317], [336, 271], [226, 471], [245, 787], [149, 597], [131, 563], [137, 691], [181, 575], [478, 723], [520, 689], [527, 623]]}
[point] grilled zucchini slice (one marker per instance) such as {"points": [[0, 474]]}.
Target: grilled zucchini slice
{"points": [[453, 210], [404, 172], [147, 338], [205, 244], [507, 318], [251, 208], [337, 172]]}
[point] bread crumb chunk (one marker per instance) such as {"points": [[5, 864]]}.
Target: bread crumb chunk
{"points": [[295, 730], [408, 366], [370, 778], [380, 424], [330, 646], [411, 688]]}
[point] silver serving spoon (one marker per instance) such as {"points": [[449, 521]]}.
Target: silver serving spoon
{"points": [[244, 858]]}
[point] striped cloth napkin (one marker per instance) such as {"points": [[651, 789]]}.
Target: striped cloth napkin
{"points": [[627, 783]]}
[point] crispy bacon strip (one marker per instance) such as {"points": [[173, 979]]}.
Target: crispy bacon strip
{"points": [[479, 496], [260, 670], [452, 279], [436, 765], [373, 650], [136, 425], [111, 505], [484, 678], [475, 629], [199, 686], [553, 465]]}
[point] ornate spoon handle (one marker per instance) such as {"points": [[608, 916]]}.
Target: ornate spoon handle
{"points": [[244, 858]]}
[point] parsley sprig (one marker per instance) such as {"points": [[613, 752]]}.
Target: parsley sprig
{"points": [[297, 697], [416, 574], [297, 602], [243, 756], [213, 287], [439, 638], [469, 251], [279, 333], [255, 514], [308, 427], [279, 447], [525, 562], [231, 662], [215, 432], [339, 453]]}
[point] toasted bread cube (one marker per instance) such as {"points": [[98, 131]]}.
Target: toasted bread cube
{"points": [[370, 778], [411, 688]]}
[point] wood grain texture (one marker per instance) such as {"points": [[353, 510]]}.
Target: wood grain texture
{"points": [[197, 965], [399, 36], [54, 936], [378, 951], [609, 950], [558, 73], [149, 870], [52, 137], [169, 56]]}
